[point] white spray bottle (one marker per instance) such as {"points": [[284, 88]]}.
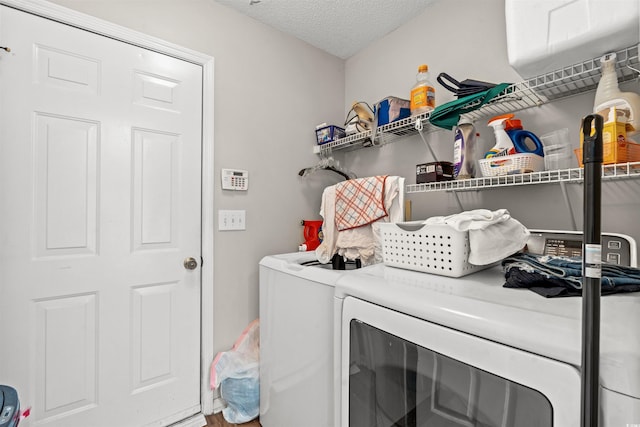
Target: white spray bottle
{"points": [[609, 95], [504, 145]]}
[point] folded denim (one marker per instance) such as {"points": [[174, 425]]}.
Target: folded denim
{"points": [[569, 269]]}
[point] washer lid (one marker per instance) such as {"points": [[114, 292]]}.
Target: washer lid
{"points": [[296, 264], [479, 305]]}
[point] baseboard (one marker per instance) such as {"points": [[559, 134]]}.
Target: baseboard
{"points": [[197, 420], [218, 404]]}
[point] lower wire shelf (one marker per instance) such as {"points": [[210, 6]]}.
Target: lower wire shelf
{"points": [[609, 172]]}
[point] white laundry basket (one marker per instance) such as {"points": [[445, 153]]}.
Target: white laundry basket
{"points": [[513, 163], [436, 249]]}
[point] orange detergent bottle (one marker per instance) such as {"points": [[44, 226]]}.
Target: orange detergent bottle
{"points": [[423, 95]]}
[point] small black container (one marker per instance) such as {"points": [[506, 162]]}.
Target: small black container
{"points": [[434, 171]]}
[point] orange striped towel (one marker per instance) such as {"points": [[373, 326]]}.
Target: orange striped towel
{"points": [[360, 202]]}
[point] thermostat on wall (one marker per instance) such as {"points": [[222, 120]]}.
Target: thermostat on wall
{"points": [[235, 179]]}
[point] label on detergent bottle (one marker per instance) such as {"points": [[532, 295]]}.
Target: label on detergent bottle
{"points": [[458, 156], [423, 97], [623, 108]]}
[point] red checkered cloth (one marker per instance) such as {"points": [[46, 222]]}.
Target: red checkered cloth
{"points": [[360, 202]]}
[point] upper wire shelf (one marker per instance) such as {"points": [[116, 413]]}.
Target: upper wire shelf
{"points": [[533, 92], [609, 172], [383, 135], [563, 83]]}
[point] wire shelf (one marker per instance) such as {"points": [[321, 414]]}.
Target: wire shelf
{"points": [[533, 92], [562, 83], [384, 134], [609, 172]]}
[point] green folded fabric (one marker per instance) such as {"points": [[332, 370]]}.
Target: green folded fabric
{"points": [[447, 115]]}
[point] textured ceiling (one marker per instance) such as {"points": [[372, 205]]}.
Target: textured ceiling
{"points": [[340, 27]]}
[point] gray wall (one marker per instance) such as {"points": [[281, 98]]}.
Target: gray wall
{"points": [[467, 39], [270, 92]]}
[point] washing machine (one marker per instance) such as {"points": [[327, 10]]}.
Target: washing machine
{"points": [[297, 379], [422, 349]]}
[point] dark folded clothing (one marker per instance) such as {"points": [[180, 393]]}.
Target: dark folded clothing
{"points": [[561, 276]]}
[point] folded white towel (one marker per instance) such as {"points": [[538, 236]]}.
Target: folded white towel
{"points": [[493, 235]]}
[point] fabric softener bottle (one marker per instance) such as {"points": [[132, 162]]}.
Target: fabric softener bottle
{"points": [[464, 150], [609, 95]]}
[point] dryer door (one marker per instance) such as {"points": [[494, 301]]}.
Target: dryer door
{"points": [[398, 370]]}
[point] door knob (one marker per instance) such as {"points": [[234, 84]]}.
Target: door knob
{"points": [[190, 263]]}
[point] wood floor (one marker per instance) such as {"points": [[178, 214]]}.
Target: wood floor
{"points": [[217, 420]]}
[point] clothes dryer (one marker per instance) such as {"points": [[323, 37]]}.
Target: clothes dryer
{"points": [[421, 349]]}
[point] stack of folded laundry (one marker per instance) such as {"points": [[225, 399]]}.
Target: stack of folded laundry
{"points": [[554, 276], [493, 235]]}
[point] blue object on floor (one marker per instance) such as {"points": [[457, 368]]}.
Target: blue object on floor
{"points": [[243, 399], [9, 407]]}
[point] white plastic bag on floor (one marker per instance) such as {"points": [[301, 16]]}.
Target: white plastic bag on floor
{"points": [[236, 372]]}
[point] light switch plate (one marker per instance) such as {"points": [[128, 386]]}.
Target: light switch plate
{"points": [[231, 220]]}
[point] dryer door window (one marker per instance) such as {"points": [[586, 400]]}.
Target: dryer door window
{"points": [[394, 382]]}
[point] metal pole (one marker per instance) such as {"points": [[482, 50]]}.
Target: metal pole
{"points": [[591, 269]]}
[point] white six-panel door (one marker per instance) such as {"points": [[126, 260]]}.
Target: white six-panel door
{"points": [[100, 204]]}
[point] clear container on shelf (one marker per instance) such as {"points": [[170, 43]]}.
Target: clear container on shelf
{"points": [[557, 150]]}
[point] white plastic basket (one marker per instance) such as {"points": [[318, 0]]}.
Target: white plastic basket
{"points": [[436, 249], [514, 163]]}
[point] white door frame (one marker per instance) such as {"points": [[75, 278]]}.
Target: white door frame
{"points": [[80, 20]]}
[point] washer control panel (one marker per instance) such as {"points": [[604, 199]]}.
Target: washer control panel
{"points": [[617, 249]]}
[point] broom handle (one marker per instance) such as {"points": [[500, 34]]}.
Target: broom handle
{"points": [[591, 270]]}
